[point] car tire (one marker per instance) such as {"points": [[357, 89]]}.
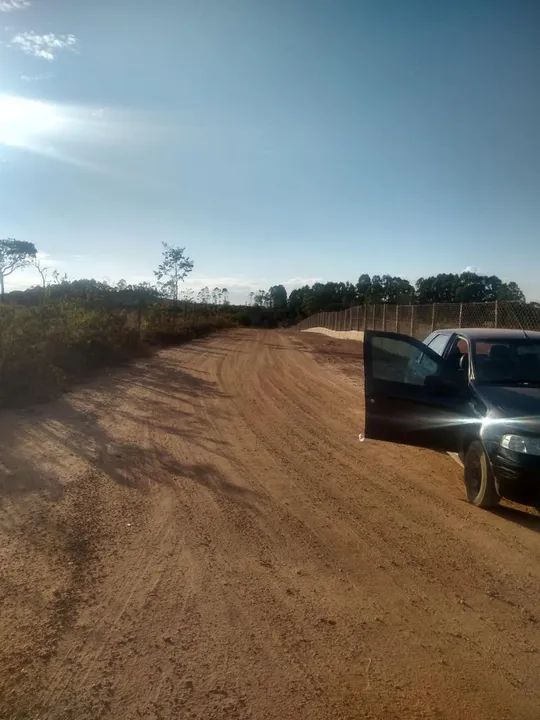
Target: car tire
{"points": [[479, 478]]}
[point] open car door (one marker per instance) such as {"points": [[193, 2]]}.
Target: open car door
{"points": [[413, 396]]}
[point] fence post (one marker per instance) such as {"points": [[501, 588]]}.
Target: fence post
{"points": [[384, 317], [496, 313], [373, 317], [412, 320], [433, 311], [460, 323], [397, 318], [365, 317]]}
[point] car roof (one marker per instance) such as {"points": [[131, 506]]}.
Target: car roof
{"points": [[491, 333]]}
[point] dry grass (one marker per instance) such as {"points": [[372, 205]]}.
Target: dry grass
{"points": [[43, 349]]}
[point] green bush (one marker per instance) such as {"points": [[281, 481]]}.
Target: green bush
{"points": [[43, 348]]}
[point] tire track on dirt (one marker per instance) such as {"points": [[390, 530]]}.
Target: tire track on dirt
{"points": [[255, 561]]}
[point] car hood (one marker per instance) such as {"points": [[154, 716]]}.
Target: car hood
{"points": [[512, 402]]}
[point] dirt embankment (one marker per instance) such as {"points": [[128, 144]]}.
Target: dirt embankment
{"points": [[202, 536]]}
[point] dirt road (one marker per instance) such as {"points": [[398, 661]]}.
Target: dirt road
{"points": [[201, 535]]}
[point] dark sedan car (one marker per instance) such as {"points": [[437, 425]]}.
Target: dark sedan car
{"points": [[471, 391]]}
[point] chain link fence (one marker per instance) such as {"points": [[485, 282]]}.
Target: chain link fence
{"points": [[420, 320]]}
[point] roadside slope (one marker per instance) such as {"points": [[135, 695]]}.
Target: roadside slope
{"points": [[202, 535]]}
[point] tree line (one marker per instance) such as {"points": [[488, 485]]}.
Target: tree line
{"points": [[273, 305], [333, 296], [175, 266], [61, 329]]}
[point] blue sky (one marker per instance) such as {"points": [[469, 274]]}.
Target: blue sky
{"points": [[278, 140]]}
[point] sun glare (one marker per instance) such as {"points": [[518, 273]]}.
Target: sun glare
{"points": [[26, 123]]}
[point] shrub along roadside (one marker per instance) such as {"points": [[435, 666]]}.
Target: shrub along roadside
{"points": [[43, 349]]}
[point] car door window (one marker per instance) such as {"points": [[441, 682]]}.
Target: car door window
{"points": [[459, 349], [410, 397], [402, 360], [438, 343]]}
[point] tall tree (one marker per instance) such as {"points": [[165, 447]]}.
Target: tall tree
{"points": [[299, 303], [174, 268], [188, 295], [203, 296], [216, 295], [437, 288], [43, 271], [467, 287], [278, 297], [59, 279], [377, 290], [396, 290], [262, 298], [347, 293], [511, 292], [14, 255], [363, 289]]}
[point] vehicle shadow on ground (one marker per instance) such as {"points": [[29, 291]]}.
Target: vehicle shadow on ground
{"points": [[527, 519]]}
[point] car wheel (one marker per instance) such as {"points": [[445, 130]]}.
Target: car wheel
{"points": [[479, 480]]}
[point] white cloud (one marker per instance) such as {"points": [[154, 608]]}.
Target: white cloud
{"points": [[36, 78], [230, 282], [298, 282], [470, 268], [240, 286], [10, 5], [43, 46], [241, 283]]}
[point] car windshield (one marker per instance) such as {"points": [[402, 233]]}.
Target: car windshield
{"points": [[500, 361]]}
